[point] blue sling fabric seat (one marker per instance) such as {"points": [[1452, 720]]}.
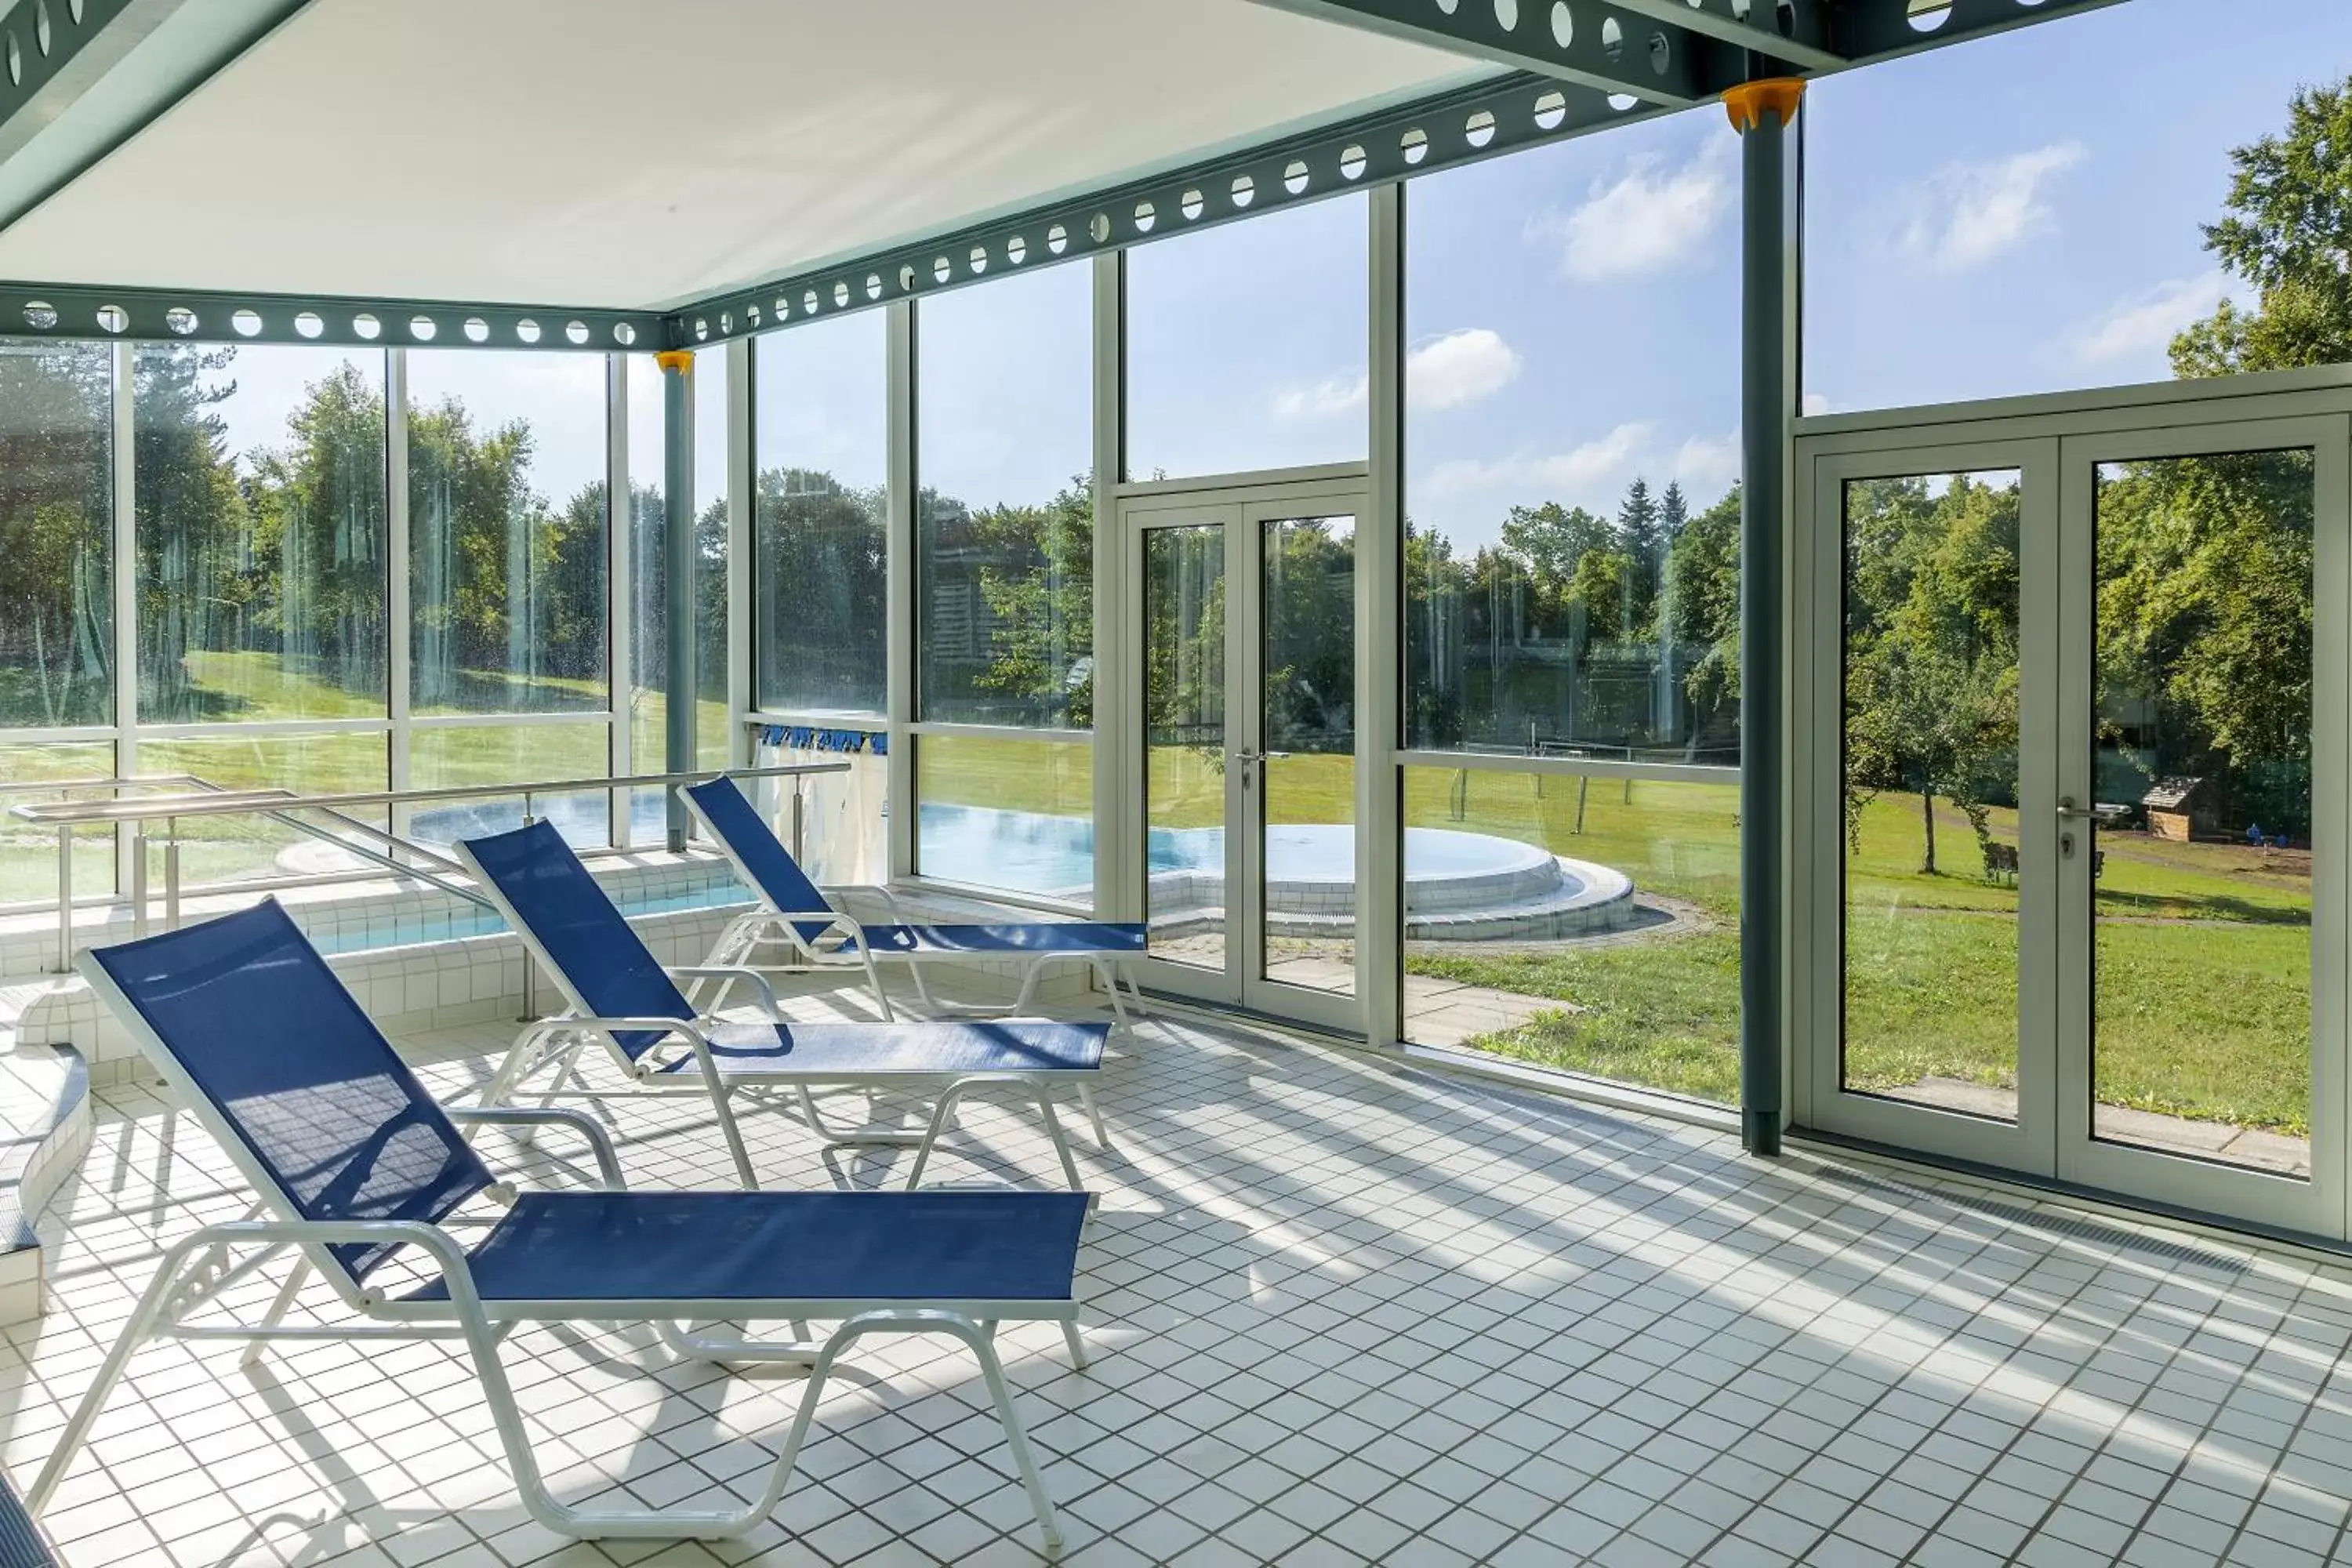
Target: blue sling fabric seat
{"points": [[868, 1247], [617, 992], [798, 915], [355, 1163]]}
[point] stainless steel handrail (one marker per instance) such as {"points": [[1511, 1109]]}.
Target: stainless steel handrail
{"points": [[211, 800]]}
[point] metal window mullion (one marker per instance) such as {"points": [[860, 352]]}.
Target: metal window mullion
{"points": [[125, 585], [620, 605], [899, 632], [1119, 757], [743, 499], [400, 601], [1379, 610]]}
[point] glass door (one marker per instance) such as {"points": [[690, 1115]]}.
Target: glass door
{"points": [[1942, 663], [2200, 818], [2079, 804], [1244, 646]]}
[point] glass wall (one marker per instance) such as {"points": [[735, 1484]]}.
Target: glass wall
{"points": [[57, 532], [263, 533], [2051, 234], [1571, 574], [1247, 344], [1005, 813], [29, 854], [1572, 594], [1004, 519], [820, 444], [507, 475]]}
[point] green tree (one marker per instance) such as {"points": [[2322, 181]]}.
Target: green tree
{"points": [[2287, 230]]}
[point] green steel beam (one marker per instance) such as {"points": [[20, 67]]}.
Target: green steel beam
{"points": [[199, 315], [79, 78], [1457, 127], [1794, 31], [1871, 30], [1656, 61]]}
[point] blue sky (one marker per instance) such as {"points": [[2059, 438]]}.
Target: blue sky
{"points": [[2015, 215]]}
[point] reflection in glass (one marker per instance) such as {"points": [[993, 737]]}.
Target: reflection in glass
{"points": [[506, 476], [1587, 924], [225, 848], [1930, 791], [263, 533], [1184, 741], [57, 502], [2202, 950], [1309, 741], [1246, 344], [998, 813], [444, 757], [1004, 511], [820, 547], [28, 855]]}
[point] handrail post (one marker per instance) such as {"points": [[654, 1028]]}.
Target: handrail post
{"points": [[64, 899], [172, 875], [139, 884]]}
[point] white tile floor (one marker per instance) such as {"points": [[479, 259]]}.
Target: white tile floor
{"points": [[1340, 1314]]}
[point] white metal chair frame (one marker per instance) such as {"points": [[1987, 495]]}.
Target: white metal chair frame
{"points": [[197, 1268], [557, 1043], [842, 944]]}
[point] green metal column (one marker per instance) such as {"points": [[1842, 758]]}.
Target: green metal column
{"points": [[679, 684], [1762, 112]]}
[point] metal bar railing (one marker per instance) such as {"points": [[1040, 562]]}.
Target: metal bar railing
{"points": [[211, 800]]}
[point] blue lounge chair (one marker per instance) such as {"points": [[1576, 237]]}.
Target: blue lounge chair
{"points": [[355, 1165], [797, 915], [618, 992]]}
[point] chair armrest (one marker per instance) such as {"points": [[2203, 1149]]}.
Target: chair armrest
{"points": [[889, 900], [443, 1248], [600, 1143], [830, 919], [733, 974]]}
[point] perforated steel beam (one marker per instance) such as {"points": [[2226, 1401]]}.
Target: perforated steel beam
{"points": [[1576, 41], [1868, 30], [1455, 127], [199, 315], [1796, 32], [79, 77]]}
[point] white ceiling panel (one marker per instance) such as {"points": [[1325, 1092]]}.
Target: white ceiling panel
{"points": [[615, 153]]}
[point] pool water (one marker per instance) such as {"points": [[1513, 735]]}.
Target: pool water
{"points": [[1056, 855]]}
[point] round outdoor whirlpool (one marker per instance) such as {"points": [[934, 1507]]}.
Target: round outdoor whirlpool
{"points": [[1458, 886]]}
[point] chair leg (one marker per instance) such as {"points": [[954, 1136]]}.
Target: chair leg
{"points": [[1110, 982], [1093, 1114], [1078, 1346], [280, 1305], [1017, 1439], [1054, 1131], [719, 1096], [939, 1114], [145, 1318]]}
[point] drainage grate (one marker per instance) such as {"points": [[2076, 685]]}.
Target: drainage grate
{"points": [[2088, 1230]]}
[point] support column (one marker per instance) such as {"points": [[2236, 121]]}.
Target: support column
{"points": [[1762, 112], [678, 685]]}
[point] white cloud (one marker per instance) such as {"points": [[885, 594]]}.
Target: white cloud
{"points": [[1443, 372], [1965, 213], [2146, 322], [1338, 395], [1814, 403], [1456, 368], [1653, 215], [1706, 467], [1578, 475]]}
